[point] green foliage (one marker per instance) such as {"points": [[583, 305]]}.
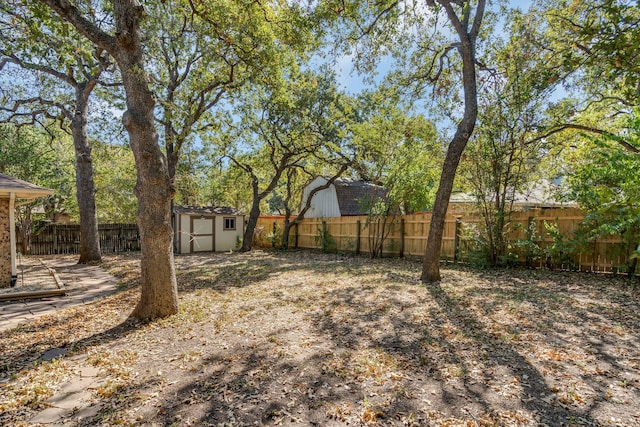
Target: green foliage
{"points": [[275, 236], [299, 121], [561, 251], [115, 180], [605, 184], [205, 58], [600, 38], [325, 239], [473, 247], [29, 154], [400, 152], [500, 160], [529, 247], [197, 182]]}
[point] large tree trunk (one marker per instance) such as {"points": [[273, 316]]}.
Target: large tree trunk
{"points": [[286, 232], [159, 292], [159, 297], [85, 189], [431, 261], [254, 214]]}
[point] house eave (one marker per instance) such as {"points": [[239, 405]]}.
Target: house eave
{"points": [[22, 194]]}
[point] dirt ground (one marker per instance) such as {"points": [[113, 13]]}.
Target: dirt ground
{"points": [[304, 338]]}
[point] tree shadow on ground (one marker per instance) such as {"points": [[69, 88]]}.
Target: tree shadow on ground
{"points": [[63, 333], [530, 389], [361, 344], [404, 355], [591, 333], [222, 272]]}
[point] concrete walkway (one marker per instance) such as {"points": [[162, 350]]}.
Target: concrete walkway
{"points": [[73, 403], [83, 283]]}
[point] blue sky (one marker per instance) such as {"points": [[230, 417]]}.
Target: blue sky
{"points": [[354, 83]]}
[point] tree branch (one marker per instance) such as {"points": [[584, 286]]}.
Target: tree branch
{"points": [[36, 100], [11, 58], [477, 20], [367, 30], [624, 143], [70, 13], [313, 192]]}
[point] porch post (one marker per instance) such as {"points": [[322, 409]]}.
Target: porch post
{"points": [[12, 234]]}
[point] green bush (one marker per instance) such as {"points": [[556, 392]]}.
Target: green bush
{"points": [[325, 240], [528, 247], [559, 252]]}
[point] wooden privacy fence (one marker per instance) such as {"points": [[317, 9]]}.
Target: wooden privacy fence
{"points": [[407, 236], [65, 239]]}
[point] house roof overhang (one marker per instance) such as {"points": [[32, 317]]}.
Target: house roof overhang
{"points": [[22, 190]]}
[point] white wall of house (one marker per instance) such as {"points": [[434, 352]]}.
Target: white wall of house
{"points": [[324, 203]]}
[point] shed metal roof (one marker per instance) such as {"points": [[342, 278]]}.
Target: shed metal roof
{"points": [[542, 194]]}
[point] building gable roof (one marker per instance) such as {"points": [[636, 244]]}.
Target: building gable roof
{"points": [[538, 195], [22, 189], [207, 210], [355, 197]]}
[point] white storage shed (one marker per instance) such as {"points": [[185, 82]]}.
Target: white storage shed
{"points": [[207, 229]]}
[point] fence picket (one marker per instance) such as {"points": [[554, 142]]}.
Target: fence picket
{"points": [[55, 239], [602, 256]]}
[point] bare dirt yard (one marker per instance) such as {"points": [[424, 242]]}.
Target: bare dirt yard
{"points": [[304, 338]]}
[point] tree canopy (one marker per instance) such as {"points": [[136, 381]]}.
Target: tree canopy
{"points": [[216, 93]]}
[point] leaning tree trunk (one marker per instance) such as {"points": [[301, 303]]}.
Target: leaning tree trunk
{"points": [[431, 261], [85, 189], [247, 240], [254, 214], [286, 232], [153, 188]]}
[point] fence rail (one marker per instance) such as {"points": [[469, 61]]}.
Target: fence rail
{"points": [[65, 239], [404, 236], [407, 235]]}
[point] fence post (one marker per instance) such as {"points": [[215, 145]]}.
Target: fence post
{"points": [[530, 235], [295, 245], [456, 240], [358, 237], [402, 238], [55, 239], [323, 240], [273, 236]]}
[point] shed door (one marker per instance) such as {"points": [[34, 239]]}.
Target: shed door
{"points": [[202, 234]]}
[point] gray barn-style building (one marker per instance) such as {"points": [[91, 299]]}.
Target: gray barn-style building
{"points": [[344, 197]]}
